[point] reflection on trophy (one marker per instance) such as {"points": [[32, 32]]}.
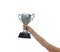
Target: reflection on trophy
{"points": [[25, 18]]}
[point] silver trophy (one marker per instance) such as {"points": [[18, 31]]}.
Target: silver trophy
{"points": [[25, 19]]}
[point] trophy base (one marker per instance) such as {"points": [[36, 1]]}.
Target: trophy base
{"points": [[24, 35]]}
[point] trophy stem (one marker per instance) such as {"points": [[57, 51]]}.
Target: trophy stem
{"points": [[25, 30]]}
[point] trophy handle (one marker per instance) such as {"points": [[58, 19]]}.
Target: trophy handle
{"points": [[33, 15], [19, 16]]}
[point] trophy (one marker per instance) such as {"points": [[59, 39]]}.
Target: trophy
{"points": [[25, 19]]}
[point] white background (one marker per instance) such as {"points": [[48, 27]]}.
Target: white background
{"points": [[46, 23]]}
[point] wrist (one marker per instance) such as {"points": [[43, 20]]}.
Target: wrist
{"points": [[32, 31]]}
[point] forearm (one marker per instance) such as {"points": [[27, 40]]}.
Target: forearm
{"points": [[43, 42]]}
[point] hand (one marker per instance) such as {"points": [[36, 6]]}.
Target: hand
{"points": [[28, 28]]}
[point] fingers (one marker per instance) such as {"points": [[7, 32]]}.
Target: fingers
{"points": [[25, 27]]}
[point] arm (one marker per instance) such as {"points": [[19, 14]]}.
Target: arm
{"points": [[42, 41]]}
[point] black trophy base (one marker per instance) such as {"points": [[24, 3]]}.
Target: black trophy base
{"points": [[24, 35]]}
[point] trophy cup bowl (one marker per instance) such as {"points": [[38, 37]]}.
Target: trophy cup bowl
{"points": [[25, 19]]}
